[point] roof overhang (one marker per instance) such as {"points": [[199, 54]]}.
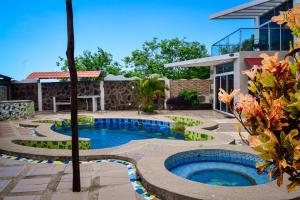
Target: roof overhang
{"points": [[204, 62], [248, 10]]}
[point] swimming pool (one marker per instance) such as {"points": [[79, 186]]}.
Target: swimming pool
{"points": [[217, 167], [111, 132]]}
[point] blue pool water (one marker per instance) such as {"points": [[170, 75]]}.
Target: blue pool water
{"points": [[105, 136], [217, 167]]}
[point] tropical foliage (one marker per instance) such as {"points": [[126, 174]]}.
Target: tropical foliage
{"points": [[88, 61], [190, 96], [148, 90], [154, 54], [271, 115]]}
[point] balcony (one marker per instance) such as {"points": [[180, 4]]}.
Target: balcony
{"points": [[254, 39]]}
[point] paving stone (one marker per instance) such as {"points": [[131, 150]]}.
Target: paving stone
{"points": [[45, 169], [32, 184], [3, 184], [8, 162], [11, 171], [124, 192], [65, 183], [114, 178], [22, 198], [70, 195]]}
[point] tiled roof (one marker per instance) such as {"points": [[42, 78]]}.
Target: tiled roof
{"points": [[58, 75]]}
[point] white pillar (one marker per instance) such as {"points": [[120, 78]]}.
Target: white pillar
{"points": [[40, 97], [102, 100], [167, 92]]}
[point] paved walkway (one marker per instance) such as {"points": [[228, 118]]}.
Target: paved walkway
{"points": [[99, 181]]}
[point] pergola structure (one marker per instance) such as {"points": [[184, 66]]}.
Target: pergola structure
{"points": [[248, 10]]}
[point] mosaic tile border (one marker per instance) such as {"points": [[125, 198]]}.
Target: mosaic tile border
{"points": [[83, 144], [185, 121], [212, 155], [131, 169], [10, 110]]}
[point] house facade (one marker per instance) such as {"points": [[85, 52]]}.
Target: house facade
{"points": [[240, 50]]}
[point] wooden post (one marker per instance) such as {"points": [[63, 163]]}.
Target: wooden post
{"points": [[74, 79]]}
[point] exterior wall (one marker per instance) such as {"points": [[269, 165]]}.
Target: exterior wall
{"points": [[3, 92], [203, 87], [240, 80], [62, 91], [28, 91], [243, 82], [118, 96]]}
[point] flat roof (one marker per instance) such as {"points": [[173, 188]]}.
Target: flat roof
{"points": [[58, 75], [205, 62], [248, 10]]}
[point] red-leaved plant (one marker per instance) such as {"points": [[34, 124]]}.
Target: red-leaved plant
{"points": [[271, 115]]}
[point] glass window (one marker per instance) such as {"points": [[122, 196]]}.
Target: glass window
{"points": [[217, 83], [286, 39], [227, 67]]}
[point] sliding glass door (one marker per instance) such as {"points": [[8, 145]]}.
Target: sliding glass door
{"points": [[224, 79]]}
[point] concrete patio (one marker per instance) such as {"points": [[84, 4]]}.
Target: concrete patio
{"points": [[24, 181]]}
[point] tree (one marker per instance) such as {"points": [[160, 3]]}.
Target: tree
{"points": [[271, 114], [73, 77], [148, 90], [154, 54], [88, 61]]}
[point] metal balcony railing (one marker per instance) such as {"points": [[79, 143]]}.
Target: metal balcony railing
{"points": [[254, 39]]}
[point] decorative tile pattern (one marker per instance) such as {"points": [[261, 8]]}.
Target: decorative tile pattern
{"points": [[16, 109], [131, 168], [83, 144], [185, 121], [212, 155]]}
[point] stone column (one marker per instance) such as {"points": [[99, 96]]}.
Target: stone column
{"points": [[167, 92], [40, 97], [102, 97]]}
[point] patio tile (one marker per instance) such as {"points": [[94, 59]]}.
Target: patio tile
{"points": [[124, 192], [22, 198], [114, 178], [3, 184], [11, 171], [44, 169], [32, 185], [66, 182], [8, 162], [70, 195]]}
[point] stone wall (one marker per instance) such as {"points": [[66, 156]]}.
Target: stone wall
{"points": [[27, 91], [62, 91], [118, 96], [201, 86]]}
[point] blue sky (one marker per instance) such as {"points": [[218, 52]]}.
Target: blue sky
{"points": [[33, 32]]}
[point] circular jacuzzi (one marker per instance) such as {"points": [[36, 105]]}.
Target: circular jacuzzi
{"points": [[217, 167]]}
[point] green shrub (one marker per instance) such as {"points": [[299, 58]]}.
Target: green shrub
{"points": [[190, 96]]}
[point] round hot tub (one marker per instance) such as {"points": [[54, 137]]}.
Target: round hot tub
{"points": [[217, 167]]}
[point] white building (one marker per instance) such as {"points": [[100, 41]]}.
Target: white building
{"points": [[240, 50]]}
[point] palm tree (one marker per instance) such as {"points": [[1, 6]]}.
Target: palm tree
{"points": [[147, 91]]}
